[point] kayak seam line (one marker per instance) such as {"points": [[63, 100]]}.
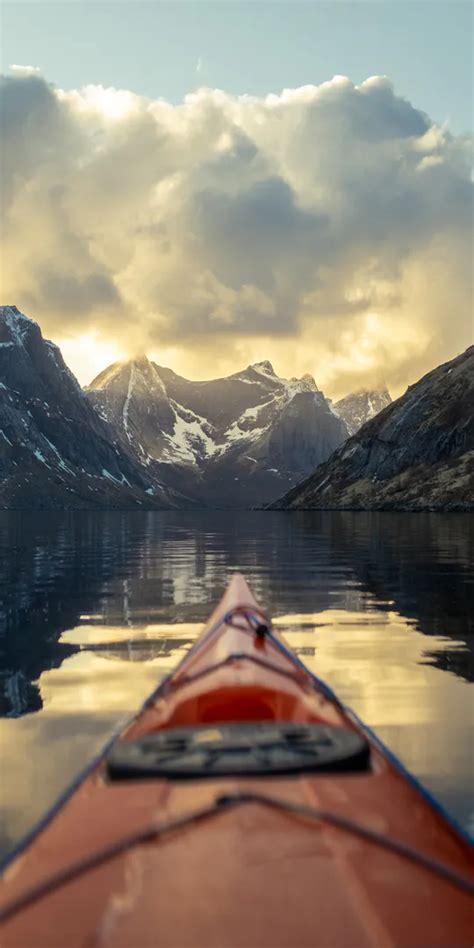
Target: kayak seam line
{"points": [[221, 804], [236, 656]]}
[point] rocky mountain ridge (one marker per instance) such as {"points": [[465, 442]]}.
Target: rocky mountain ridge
{"points": [[358, 407], [418, 453], [55, 450], [141, 435], [236, 441]]}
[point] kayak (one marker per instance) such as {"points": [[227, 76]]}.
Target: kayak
{"points": [[243, 807]]}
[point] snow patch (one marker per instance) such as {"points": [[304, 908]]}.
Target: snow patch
{"points": [[62, 462], [109, 476], [264, 368], [37, 453], [127, 400], [189, 440]]}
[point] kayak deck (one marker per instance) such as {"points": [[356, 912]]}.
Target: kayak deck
{"points": [[312, 856]]}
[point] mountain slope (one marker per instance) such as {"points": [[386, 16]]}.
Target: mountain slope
{"points": [[234, 441], [418, 453], [358, 407], [55, 451]]}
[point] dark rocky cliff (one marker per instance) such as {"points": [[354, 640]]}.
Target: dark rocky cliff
{"points": [[418, 453]]}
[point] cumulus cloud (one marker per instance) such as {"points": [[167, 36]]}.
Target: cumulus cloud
{"points": [[327, 227], [20, 70]]}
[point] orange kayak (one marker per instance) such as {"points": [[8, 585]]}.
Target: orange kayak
{"points": [[243, 807]]}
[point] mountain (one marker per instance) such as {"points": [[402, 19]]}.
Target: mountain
{"points": [[417, 453], [358, 407], [55, 451], [235, 441]]}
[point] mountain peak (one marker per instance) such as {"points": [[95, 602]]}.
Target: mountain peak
{"points": [[12, 312], [121, 372], [378, 390], [14, 324], [310, 380], [358, 407], [57, 452], [265, 367], [140, 360]]}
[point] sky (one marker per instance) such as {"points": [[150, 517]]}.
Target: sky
{"points": [[219, 183]]}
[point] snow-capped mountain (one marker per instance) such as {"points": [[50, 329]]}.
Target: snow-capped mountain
{"points": [[234, 441], [416, 454], [55, 451], [358, 407]]}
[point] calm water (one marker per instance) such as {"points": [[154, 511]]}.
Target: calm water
{"points": [[94, 608]]}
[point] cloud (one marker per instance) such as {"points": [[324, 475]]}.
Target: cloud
{"points": [[327, 228], [24, 70]]}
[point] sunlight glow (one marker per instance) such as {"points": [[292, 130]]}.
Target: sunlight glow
{"points": [[113, 104], [88, 354]]}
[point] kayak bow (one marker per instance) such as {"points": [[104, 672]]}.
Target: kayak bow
{"points": [[244, 806]]}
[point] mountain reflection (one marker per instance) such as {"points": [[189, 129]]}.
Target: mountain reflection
{"points": [[141, 651], [127, 571]]}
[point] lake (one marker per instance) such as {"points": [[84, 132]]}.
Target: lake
{"points": [[96, 607]]}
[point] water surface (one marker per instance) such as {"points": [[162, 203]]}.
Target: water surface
{"points": [[96, 607]]}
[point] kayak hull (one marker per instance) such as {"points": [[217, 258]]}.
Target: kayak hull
{"points": [[243, 861]]}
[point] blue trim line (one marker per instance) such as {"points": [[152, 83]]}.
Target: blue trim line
{"points": [[411, 779], [322, 686]]}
